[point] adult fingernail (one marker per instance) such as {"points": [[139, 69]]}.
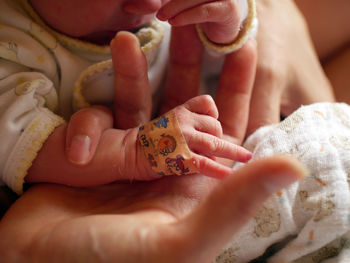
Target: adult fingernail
{"points": [[79, 150], [284, 179]]}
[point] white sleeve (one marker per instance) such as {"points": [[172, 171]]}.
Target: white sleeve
{"points": [[27, 102]]}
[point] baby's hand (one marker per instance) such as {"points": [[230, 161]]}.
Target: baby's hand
{"points": [[202, 131], [220, 19]]}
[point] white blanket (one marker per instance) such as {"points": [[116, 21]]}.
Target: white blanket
{"points": [[315, 212]]}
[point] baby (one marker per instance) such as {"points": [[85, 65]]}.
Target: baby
{"points": [[54, 61]]}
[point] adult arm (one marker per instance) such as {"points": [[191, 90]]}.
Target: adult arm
{"points": [[289, 72]]}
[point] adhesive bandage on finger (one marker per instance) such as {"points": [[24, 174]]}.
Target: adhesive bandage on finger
{"points": [[165, 147], [249, 29]]}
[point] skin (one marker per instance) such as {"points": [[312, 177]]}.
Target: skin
{"points": [[220, 18], [241, 63], [164, 220], [327, 24], [288, 74], [221, 26], [167, 220], [131, 71], [331, 40], [119, 155], [91, 18], [234, 87], [158, 221]]}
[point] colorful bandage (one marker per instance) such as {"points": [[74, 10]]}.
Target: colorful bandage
{"points": [[165, 147]]}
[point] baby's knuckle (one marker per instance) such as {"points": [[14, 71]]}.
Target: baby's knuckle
{"points": [[230, 7], [181, 114], [216, 146], [189, 137], [230, 12], [205, 12], [217, 129], [207, 101], [203, 164]]}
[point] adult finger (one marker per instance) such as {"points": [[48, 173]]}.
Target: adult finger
{"points": [[234, 91], [266, 99], [132, 99], [232, 203], [184, 70], [84, 131]]}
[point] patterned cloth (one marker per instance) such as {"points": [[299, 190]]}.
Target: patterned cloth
{"points": [[314, 214]]}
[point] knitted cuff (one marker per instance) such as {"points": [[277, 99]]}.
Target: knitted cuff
{"points": [[27, 148]]}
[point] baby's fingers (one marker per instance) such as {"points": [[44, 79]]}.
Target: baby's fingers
{"points": [[210, 167], [221, 19], [209, 145]]}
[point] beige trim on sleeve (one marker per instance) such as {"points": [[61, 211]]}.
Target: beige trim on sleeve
{"points": [[27, 148]]}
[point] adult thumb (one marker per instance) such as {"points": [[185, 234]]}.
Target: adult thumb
{"points": [[233, 202]]}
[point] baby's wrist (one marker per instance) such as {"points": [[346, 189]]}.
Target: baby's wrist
{"points": [[144, 164], [165, 148]]}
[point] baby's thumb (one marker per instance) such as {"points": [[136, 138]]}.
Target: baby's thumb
{"points": [[233, 202], [84, 131]]}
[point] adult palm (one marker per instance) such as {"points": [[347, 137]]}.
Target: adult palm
{"points": [[174, 219]]}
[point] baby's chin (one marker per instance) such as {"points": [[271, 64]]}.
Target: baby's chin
{"points": [[103, 38]]}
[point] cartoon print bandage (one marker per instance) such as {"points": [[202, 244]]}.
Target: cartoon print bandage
{"points": [[165, 147]]}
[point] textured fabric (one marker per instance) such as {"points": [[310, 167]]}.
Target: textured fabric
{"points": [[315, 212]]}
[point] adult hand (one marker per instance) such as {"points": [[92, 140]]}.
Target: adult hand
{"points": [[168, 220], [234, 87], [133, 97], [289, 73]]}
